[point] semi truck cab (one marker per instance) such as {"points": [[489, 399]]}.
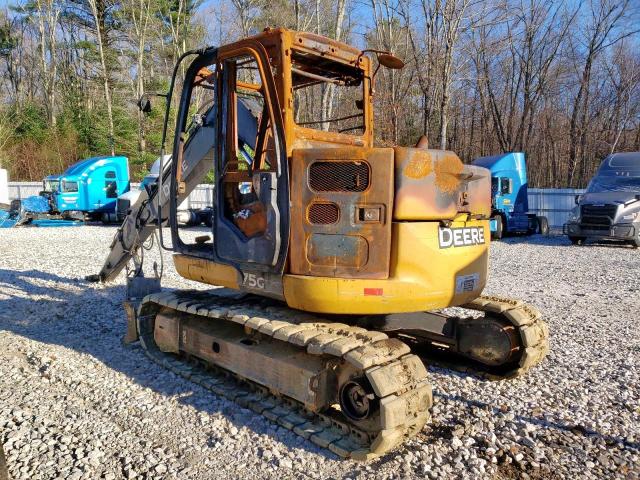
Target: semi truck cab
{"points": [[610, 208], [509, 196], [89, 187]]}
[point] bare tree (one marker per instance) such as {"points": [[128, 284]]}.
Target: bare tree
{"points": [[48, 13], [452, 14], [423, 47], [623, 103], [328, 93], [515, 67], [391, 33], [600, 31], [246, 12], [139, 14], [97, 16]]}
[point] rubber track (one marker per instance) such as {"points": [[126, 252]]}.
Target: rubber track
{"points": [[527, 320], [398, 378]]}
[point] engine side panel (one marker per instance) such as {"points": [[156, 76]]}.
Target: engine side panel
{"points": [[341, 203]]}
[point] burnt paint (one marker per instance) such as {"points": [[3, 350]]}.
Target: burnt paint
{"points": [[436, 185]]}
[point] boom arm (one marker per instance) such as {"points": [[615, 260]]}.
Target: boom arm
{"points": [[197, 160], [136, 228]]}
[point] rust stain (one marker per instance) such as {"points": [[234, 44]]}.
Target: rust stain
{"points": [[448, 169], [418, 166]]}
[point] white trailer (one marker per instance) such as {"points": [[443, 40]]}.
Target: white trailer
{"points": [[4, 186]]}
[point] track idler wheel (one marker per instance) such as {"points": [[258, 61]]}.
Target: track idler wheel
{"points": [[357, 399], [488, 340], [512, 331]]}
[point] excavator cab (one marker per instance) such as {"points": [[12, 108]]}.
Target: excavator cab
{"points": [[268, 96], [306, 209]]}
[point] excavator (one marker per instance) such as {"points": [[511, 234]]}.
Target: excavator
{"points": [[338, 259]]}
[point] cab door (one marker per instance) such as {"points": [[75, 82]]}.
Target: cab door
{"points": [[251, 224], [242, 137]]}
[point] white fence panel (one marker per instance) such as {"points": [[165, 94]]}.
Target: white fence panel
{"points": [[19, 190], [554, 204], [201, 196]]}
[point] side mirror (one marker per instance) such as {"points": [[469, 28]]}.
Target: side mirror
{"points": [[385, 59], [144, 104], [390, 61]]}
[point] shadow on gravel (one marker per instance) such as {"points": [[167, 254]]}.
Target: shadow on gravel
{"points": [[543, 240], [565, 427], [90, 319], [559, 241]]}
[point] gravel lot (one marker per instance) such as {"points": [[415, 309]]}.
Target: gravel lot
{"points": [[75, 403]]}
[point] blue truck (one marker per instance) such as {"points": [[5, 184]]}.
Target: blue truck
{"points": [[509, 197], [88, 189]]}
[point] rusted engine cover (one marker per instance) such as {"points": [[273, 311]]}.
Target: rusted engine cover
{"points": [[436, 185], [341, 212]]}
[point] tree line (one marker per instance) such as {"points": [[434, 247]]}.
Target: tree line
{"points": [[559, 80]]}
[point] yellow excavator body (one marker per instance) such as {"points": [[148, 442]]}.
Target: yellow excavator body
{"points": [[422, 276]]}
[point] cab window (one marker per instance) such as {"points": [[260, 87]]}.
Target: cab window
{"points": [[328, 95], [69, 186], [110, 185], [505, 186], [199, 151], [250, 146]]}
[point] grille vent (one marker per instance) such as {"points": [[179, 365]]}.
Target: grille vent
{"points": [[597, 217], [339, 176], [600, 210], [323, 213]]}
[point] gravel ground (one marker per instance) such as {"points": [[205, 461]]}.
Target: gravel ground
{"points": [[75, 403]]}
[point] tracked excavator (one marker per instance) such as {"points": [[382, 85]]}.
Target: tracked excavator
{"points": [[338, 258]]}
